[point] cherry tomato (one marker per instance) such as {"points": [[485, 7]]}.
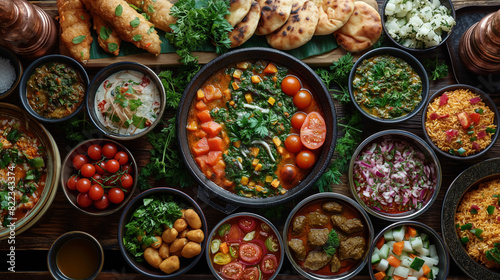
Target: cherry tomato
{"points": [[109, 150], [288, 173], [232, 270], [298, 119], [97, 178], [126, 181], [464, 119], [305, 159], [95, 152], [475, 117], [112, 165], [100, 167], [116, 195], [269, 264], [251, 273], [234, 233], [126, 168], [87, 170], [302, 99], [102, 203], [290, 85], [71, 183], [83, 200], [247, 224], [83, 185], [121, 157], [293, 143], [250, 252], [79, 160], [313, 131], [96, 192]]}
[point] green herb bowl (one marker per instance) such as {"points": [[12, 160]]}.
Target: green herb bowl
{"points": [[412, 61], [143, 267]]}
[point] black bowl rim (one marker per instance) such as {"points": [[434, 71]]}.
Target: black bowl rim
{"points": [[110, 70], [322, 196], [26, 75], [60, 241], [18, 68], [469, 178], [410, 59], [162, 190], [66, 162], [243, 214], [430, 230], [383, 16], [415, 138], [232, 198], [488, 103]]}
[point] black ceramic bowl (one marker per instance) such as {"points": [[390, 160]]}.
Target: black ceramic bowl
{"points": [[484, 98], [446, 3], [434, 238], [144, 268], [297, 67], [29, 71], [101, 77], [18, 68], [412, 61]]}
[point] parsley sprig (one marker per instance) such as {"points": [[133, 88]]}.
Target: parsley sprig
{"points": [[436, 69], [338, 73]]}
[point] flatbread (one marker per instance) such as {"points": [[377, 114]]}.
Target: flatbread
{"points": [[299, 27], [246, 28], [372, 3], [238, 9], [362, 29], [333, 14], [274, 13]]}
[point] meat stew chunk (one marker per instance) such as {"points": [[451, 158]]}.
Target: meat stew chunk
{"points": [[317, 219], [348, 226], [335, 264], [352, 248], [317, 237], [298, 247], [315, 260], [332, 207], [298, 224]]}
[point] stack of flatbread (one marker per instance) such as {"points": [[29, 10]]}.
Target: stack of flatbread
{"points": [[289, 24]]}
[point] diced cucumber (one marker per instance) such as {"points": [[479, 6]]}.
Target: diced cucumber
{"points": [[382, 265], [375, 251], [375, 258], [424, 252], [402, 271], [391, 244], [416, 243], [417, 273], [388, 236], [433, 273], [411, 278], [430, 262], [384, 251], [432, 251], [424, 237], [404, 254], [407, 246], [399, 233], [390, 271], [426, 243], [417, 264], [406, 261]]}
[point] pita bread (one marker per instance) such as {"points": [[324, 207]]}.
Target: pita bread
{"points": [[372, 3], [299, 27], [274, 13], [246, 28], [333, 14], [362, 29], [238, 9]]}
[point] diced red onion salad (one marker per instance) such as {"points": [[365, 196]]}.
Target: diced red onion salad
{"points": [[392, 176]]}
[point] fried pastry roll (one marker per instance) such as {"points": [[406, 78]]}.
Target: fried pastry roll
{"points": [[107, 38], [158, 11], [75, 28]]}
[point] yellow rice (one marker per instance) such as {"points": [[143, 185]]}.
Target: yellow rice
{"points": [[482, 197], [458, 102]]}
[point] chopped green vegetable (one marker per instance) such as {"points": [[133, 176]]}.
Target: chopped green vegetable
{"points": [[491, 130], [417, 263], [490, 209], [215, 245], [436, 69], [494, 254], [118, 10], [135, 22], [249, 236], [112, 47], [233, 250], [224, 229], [479, 111], [332, 243], [477, 232], [461, 150], [137, 37], [272, 244], [464, 239], [466, 226], [79, 39]]}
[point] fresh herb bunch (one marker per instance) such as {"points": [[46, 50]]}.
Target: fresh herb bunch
{"points": [[435, 69], [174, 83], [344, 150], [198, 23], [332, 243], [338, 73], [147, 221], [78, 129]]}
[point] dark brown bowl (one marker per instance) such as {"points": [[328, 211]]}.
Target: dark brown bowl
{"points": [[18, 68], [305, 73]]}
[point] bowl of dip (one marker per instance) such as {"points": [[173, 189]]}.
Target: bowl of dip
{"points": [[11, 71], [388, 85], [125, 100], [52, 88]]}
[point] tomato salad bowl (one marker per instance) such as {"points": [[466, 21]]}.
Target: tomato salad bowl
{"points": [[257, 127]]}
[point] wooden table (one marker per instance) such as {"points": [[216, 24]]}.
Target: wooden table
{"points": [[32, 245]]}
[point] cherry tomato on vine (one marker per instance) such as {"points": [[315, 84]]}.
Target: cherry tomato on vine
{"points": [[298, 119], [109, 150], [100, 167], [79, 160], [302, 99], [126, 168], [83, 200], [116, 195], [97, 178], [87, 170], [290, 85], [83, 185], [95, 152], [71, 183], [96, 192], [102, 203], [121, 157], [126, 181], [293, 143], [305, 159], [112, 165]]}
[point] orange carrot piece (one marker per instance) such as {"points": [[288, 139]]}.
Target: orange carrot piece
{"points": [[412, 255], [211, 128], [201, 105], [380, 242], [219, 168], [423, 278], [204, 116], [270, 69], [426, 269], [215, 144], [411, 231], [380, 275], [393, 261], [397, 248], [213, 157], [224, 248], [396, 277], [201, 147]]}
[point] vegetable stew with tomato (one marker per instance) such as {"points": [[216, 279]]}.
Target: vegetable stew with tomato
{"points": [[255, 129], [245, 247]]}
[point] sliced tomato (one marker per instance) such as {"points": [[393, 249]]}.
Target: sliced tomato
{"points": [[232, 270], [251, 273], [269, 264], [464, 119], [247, 224], [234, 233], [313, 131], [475, 117], [250, 253]]}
